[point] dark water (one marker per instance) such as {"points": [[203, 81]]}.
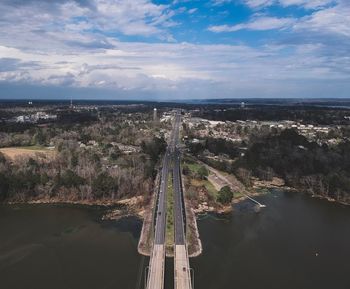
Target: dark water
{"points": [[294, 243], [65, 247]]}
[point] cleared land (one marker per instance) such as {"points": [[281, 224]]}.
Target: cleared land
{"points": [[32, 151]]}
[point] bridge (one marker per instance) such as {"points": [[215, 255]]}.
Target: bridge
{"points": [[182, 274]]}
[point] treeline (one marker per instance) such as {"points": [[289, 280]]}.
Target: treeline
{"points": [[217, 146], [110, 129], [311, 115], [87, 165], [77, 174], [307, 166]]}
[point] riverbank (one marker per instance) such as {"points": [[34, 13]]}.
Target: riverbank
{"points": [[194, 243], [115, 209], [278, 183], [145, 243]]}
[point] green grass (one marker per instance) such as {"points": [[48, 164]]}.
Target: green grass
{"points": [[211, 189], [237, 194], [170, 213], [194, 167], [33, 148]]}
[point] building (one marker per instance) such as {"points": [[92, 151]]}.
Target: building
{"points": [[155, 114]]}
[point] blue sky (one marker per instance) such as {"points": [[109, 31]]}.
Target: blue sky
{"points": [[174, 49]]}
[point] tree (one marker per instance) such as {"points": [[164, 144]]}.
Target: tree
{"points": [[4, 186], [225, 195], [186, 170], [70, 179], [203, 172], [39, 137], [74, 160], [154, 148], [2, 158], [114, 153], [104, 184]]}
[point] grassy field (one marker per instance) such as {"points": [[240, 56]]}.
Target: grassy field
{"points": [[208, 185], [27, 151], [194, 167], [170, 213]]}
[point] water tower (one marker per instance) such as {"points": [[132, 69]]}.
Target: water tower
{"points": [[154, 114]]}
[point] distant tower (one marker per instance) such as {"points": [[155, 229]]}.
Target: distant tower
{"points": [[242, 104], [154, 114], [71, 103]]}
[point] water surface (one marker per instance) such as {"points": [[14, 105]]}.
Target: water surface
{"points": [[44, 246], [297, 242]]}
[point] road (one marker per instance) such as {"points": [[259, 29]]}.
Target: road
{"points": [[155, 278], [182, 273]]}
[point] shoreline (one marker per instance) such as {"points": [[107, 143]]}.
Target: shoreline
{"points": [[144, 245], [194, 243]]}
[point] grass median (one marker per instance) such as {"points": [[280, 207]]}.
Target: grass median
{"points": [[170, 214]]}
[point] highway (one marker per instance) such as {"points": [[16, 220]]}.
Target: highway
{"points": [[182, 273], [155, 277]]}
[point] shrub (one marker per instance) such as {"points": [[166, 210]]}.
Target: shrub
{"points": [[225, 195]]}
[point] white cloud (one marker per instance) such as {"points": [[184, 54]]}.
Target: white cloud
{"points": [[258, 3], [75, 44], [333, 20], [193, 10], [308, 4], [137, 17], [257, 23], [154, 67]]}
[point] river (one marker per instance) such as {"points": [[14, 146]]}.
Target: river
{"points": [[296, 242]]}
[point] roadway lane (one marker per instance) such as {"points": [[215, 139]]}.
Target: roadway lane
{"points": [[178, 202], [155, 276], [161, 206], [182, 276]]}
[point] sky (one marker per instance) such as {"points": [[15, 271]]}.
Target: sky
{"points": [[172, 50]]}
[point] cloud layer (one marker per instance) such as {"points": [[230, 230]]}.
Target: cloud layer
{"points": [[127, 48]]}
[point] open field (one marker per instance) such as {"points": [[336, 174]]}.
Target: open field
{"points": [[31, 151], [207, 183]]}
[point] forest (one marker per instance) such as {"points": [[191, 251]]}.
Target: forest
{"points": [[316, 169], [87, 163]]}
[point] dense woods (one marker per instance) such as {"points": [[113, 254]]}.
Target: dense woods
{"points": [[215, 146], [321, 170], [87, 163]]}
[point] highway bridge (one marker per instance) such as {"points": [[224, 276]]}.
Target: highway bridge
{"points": [[182, 276]]}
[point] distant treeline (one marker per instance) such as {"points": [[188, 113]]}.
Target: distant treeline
{"points": [[312, 115]]}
